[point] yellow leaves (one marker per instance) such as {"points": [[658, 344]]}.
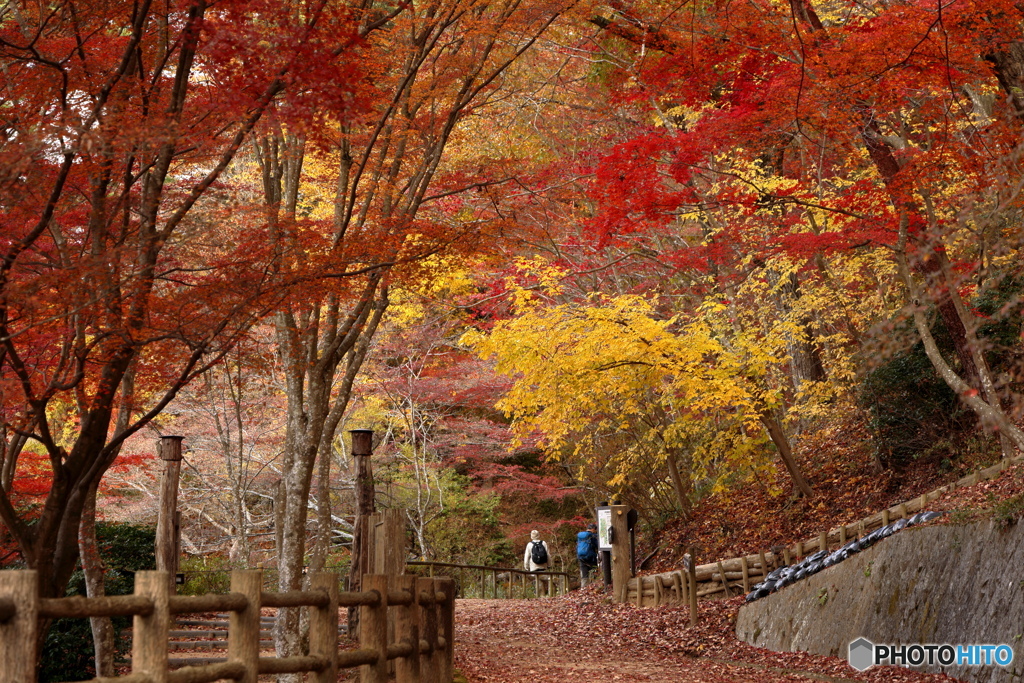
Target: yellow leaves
{"points": [[610, 369], [436, 277], [548, 279]]}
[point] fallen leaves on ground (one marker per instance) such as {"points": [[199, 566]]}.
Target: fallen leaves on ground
{"points": [[838, 462], [583, 637]]}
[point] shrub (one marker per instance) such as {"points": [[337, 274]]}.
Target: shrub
{"points": [[205, 575], [911, 409], [1008, 511], [68, 650]]}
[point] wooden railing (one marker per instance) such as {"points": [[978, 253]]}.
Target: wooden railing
{"points": [[505, 582], [730, 577], [424, 625]]}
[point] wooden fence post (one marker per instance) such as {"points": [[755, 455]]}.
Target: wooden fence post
{"points": [[373, 629], [407, 629], [149, 633], [746, 574], [244, 625], [386, 538], [167, 541], [725, 581], [621, 566], [19, 593], [362, 442], [823, 541], [693, 586], [323, 627], [447, 627], [437, 653], [428, 631]]}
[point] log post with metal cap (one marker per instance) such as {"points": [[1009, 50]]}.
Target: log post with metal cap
{"points": [[621, 570], [362, 443], [169, 448]]}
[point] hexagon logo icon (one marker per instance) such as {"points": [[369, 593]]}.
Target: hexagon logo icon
{"points": [[862, 654]]}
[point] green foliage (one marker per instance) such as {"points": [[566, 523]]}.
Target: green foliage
{"points": [[68, 649], [205, 575], [913, 412], [1008, 511], [468, 529], [911, 408]]}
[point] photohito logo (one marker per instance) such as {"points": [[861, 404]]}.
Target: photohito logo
{"points": [[865, 654]]}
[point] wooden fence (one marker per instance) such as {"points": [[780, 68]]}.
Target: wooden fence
{"points": [[726, 578], [499, 582], [423, 616]]}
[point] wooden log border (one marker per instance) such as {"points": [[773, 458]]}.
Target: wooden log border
{"points": [[729, 577]]}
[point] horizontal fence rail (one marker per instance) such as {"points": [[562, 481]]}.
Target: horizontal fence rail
{"points": [[422, 614], [481, 581], [726, 578]]}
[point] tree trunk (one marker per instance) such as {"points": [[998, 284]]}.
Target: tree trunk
{"points": [[92, 566], [805, 358], [1008, 65], [681, 486], [322, 542], [990, 411], [781, 441]]}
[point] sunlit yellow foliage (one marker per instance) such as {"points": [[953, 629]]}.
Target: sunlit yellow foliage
{"points": [[583, 371]]}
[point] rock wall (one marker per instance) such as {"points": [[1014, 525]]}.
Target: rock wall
{"points": [[938, 584]]}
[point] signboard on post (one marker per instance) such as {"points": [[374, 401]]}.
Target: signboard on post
{"points": [[604, 528]]}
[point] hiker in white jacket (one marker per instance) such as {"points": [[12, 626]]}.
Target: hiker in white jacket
{"points": [[528, 557]]}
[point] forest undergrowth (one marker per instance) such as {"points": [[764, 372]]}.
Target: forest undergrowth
{"points": [[848, 486]]}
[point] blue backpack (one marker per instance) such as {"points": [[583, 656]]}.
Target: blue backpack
{"points": [[586, 547]]}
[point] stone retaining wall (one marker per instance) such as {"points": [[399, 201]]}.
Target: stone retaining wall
{"points": [[939, 584]]}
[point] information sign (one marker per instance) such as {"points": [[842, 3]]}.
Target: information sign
{"points": [[604, 528]]}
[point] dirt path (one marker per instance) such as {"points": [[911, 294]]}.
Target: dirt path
{"points": [[581, 639]]}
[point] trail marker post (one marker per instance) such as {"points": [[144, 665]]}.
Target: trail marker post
{"points": [[168, 525], [362, 442], [621, 561]]}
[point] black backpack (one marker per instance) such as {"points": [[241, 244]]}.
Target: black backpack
{"points": [[538, 553]]}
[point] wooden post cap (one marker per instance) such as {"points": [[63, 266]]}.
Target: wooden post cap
{"points": [[169, 447], [362, 441]]}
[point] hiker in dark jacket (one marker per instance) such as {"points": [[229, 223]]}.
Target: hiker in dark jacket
{"points": [[586, 552]]}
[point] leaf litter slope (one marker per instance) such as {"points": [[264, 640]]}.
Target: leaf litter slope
{"points": [[584, 638]]}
